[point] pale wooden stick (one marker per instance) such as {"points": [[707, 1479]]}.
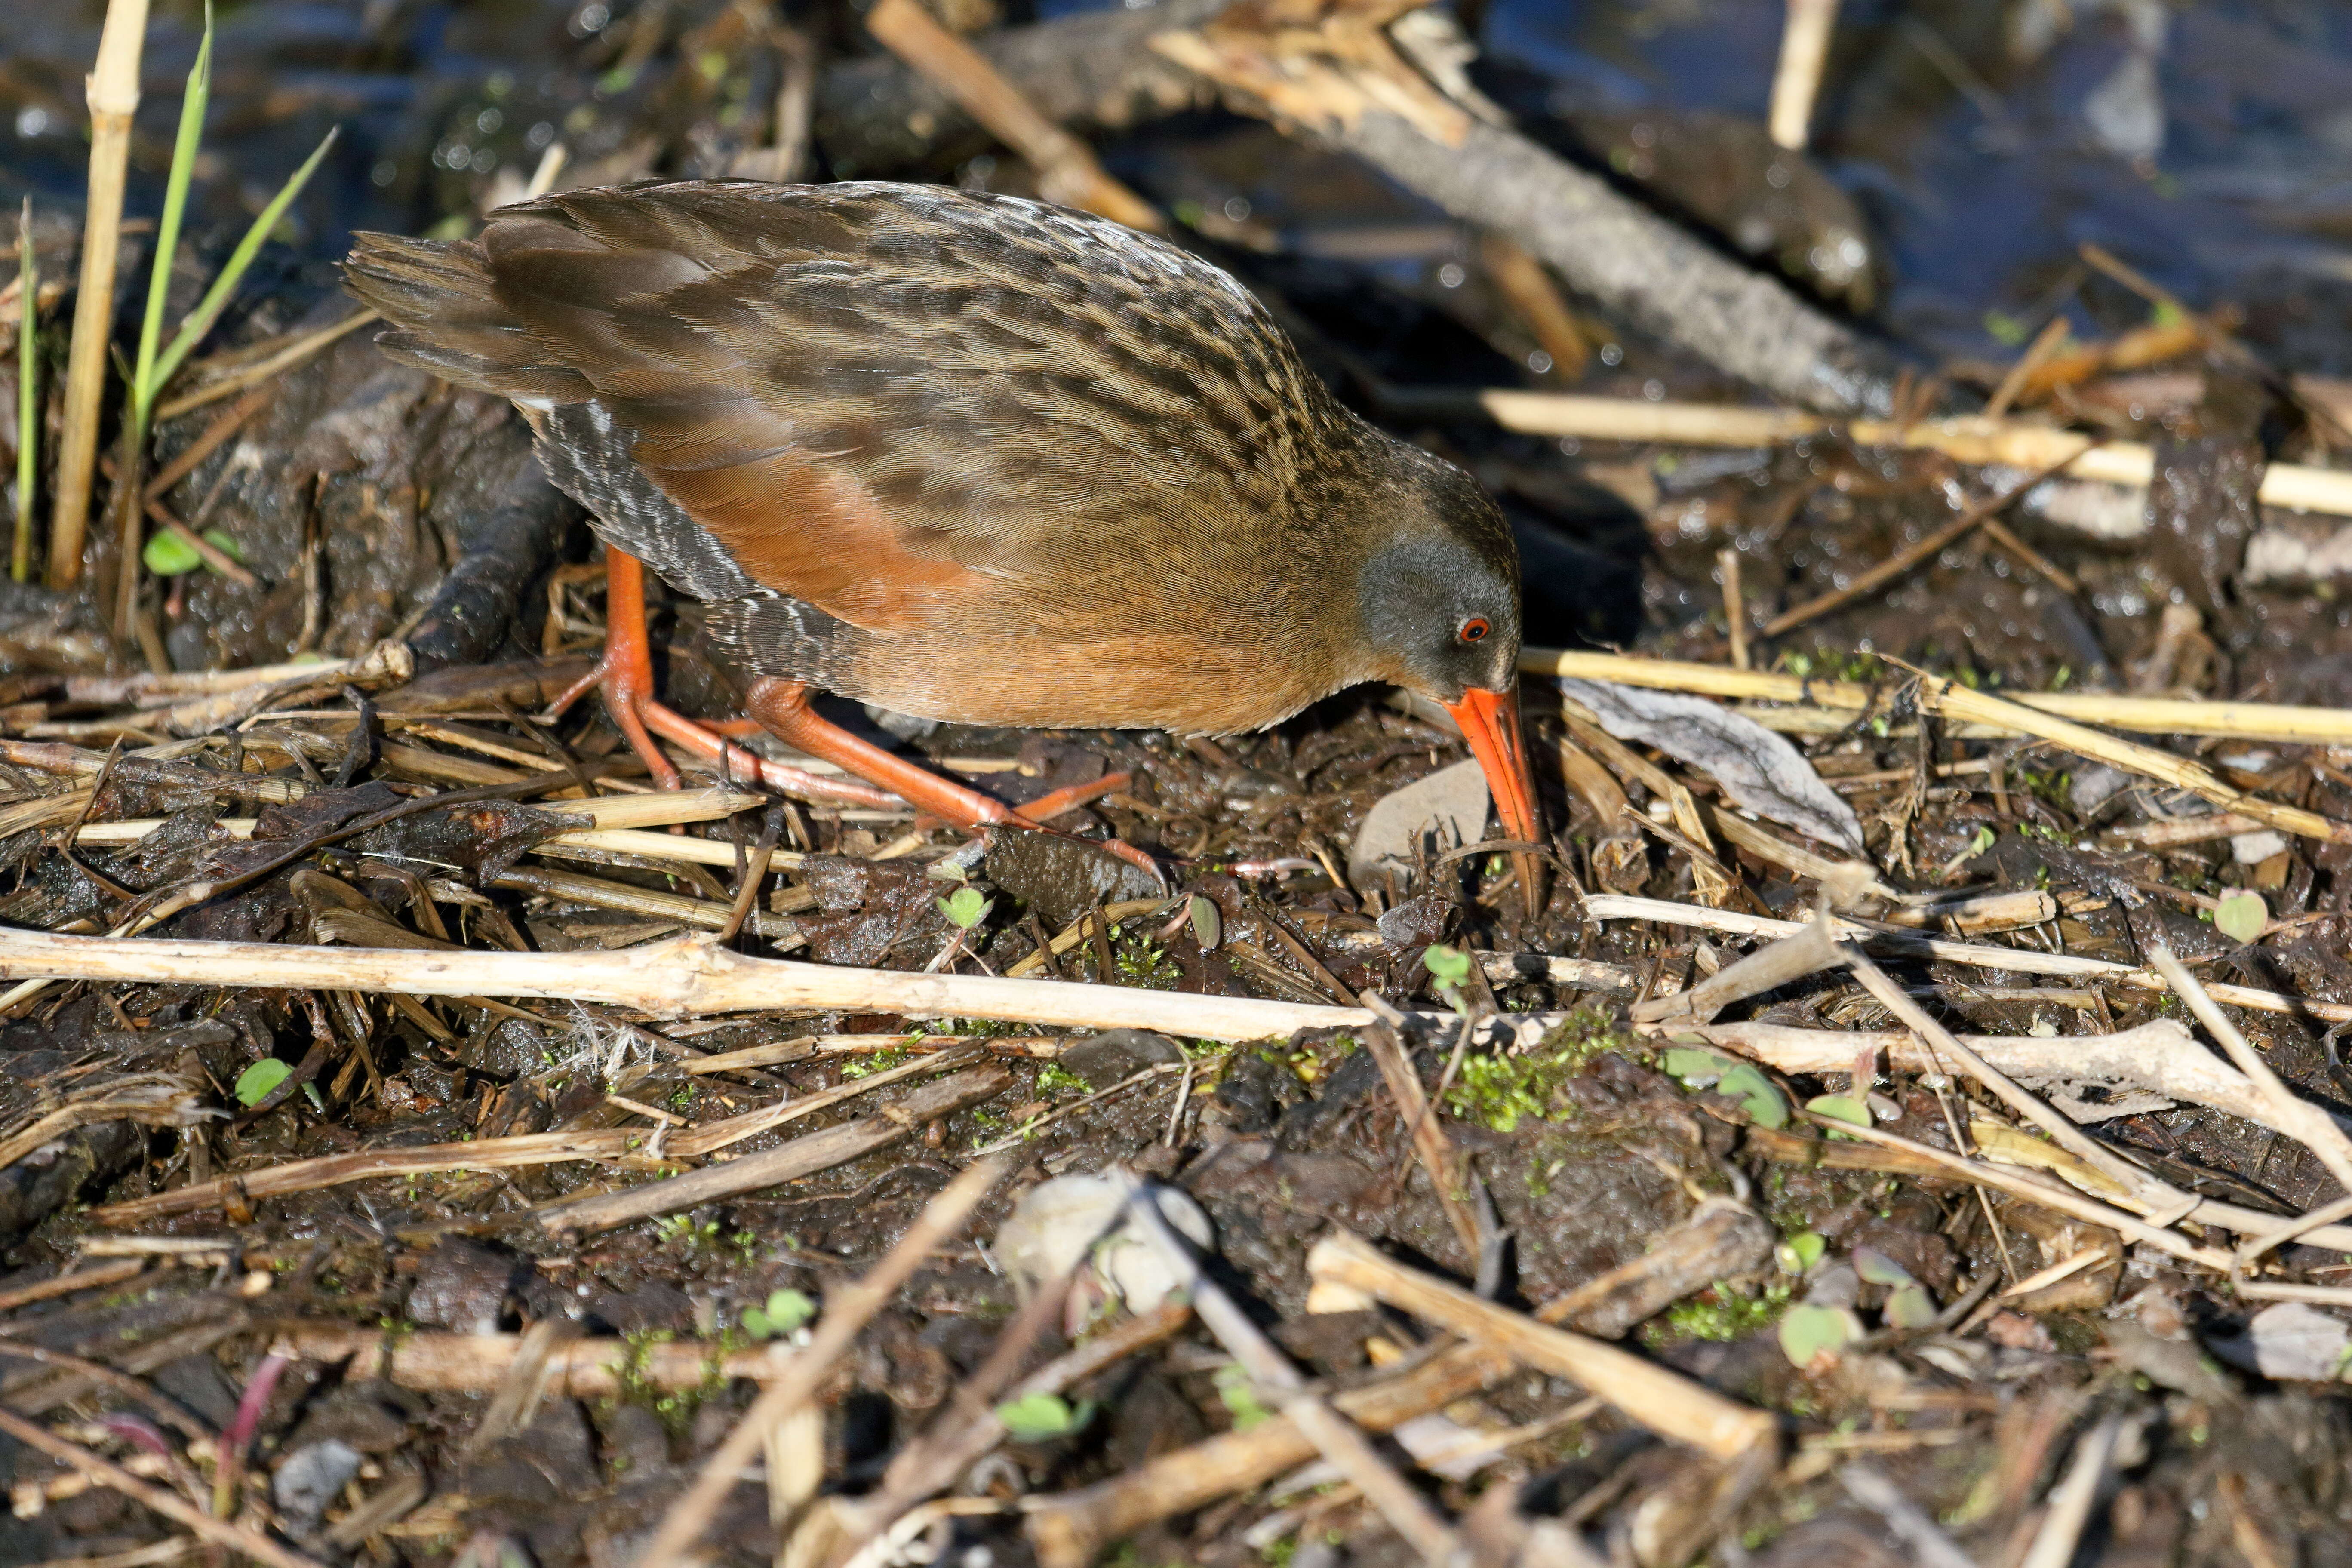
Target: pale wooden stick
{"points": [[615, 840], [676, 978], [1066, 170], [1968, 438], [1954, 701], [2288, 1112], [2021, 960], [114, 100], [788, 1161], [619, 1144], [2156, 1057], [377, 666], [1797, 80], [1664, 1401], [2321, 1219], [2146, 1190], [2051, 1194], [1735, 602], [2146, 715], [1340, 1440], [846, 1316], [582, 1368], [2072, 1499], [171, 1505]]}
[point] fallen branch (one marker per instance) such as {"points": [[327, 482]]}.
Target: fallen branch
{"points": [[801, 1157], [2284, 1111], [682, 977], [1967, 438], [620, 1143], [1668, 1403], [581, 1369], [2016, 960], [1336, 74], [2156, 1057], [2144, 715]]}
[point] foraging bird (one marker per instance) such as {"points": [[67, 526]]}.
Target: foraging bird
{"points": [[967, 457]]}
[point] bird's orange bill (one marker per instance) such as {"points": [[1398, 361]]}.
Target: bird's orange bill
{"points": [[1490, 722]]}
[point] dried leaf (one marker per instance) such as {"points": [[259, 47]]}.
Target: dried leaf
{"points": [[1759, 770], [2299, 1343], [1450, 804]]}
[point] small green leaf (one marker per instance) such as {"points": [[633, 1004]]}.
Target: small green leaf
{"points": [[222, 540], [254, 1084], [1909, 1306], [1809, 1333], [168, 555], [2242, 916], [1240, 1397], [1983, 841], [1036, 1417], [791, 1310], [966, 907], [1800, 1251], [1758, 1094], [1839, 1108], [1449, 965], [1878, 1268], [1695, 1068], [1208, 924], [2005, 329], [2165, 314]]}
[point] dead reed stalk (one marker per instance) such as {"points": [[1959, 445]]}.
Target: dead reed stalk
{"points": [[113, 99]]}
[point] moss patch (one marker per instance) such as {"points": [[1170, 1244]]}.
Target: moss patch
{"points": [[1497, 1091]]}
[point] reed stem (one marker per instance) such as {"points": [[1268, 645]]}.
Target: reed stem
{"points": [[113, 99]]}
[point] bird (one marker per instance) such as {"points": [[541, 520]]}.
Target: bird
{"points": [[967, 457]]}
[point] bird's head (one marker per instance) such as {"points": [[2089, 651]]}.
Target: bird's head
{"points": [[1438, 604]]}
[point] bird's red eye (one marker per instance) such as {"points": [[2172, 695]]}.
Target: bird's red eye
{"points": [[1474, 629]]}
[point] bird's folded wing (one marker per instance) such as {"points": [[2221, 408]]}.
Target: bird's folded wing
{"points": [[897, 403]]}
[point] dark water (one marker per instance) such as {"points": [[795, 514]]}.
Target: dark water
{"points": [[2211, 144]]}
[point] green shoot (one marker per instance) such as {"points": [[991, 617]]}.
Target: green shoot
{"points": [[1450, 968], [198, 94], [28, 398], [254, 1084], [158, 362], [216, 300]]}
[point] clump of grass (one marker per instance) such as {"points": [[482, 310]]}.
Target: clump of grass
{"points": [[1497, 1091], [157, 360]]}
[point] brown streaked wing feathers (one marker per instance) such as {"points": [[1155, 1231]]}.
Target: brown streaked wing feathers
{"points": [[899, 404]]}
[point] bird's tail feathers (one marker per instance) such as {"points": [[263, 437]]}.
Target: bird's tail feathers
{"points": [[445, 318]]}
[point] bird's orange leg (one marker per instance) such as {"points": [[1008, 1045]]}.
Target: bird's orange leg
{"points": [[624, 678], [784, 707]]}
